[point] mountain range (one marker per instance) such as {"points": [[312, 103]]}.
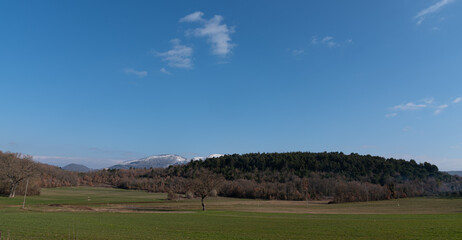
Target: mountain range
{"points": [[458, 173], [159, 161]]}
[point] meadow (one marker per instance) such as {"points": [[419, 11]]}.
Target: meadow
{"points": [[106, 213]]}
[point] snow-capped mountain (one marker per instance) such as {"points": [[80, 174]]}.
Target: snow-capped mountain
{"points": [[209, 156], [156, 161]]}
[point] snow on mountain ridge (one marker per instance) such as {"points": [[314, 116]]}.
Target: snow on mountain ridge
{"points": [[155, 161], [160, 161], [177, 157]]}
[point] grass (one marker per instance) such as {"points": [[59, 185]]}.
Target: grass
{"points": [[84, 196], [106, 216]]}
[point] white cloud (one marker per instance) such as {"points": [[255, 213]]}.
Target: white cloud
{"points": [[163, 70], [329, 41], [433, 8], [179, 56], [440, 108], [193, 17], [132, 71], [409, 106], [214, 30], [390, 115], [426, 103]]}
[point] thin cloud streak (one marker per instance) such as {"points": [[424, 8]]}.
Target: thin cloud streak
{"points": [[132, 71], [440, 108], [329, 41], [433, 8], [409, 106]]}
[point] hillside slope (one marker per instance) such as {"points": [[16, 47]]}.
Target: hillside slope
{"points": [[73, 167], [156, 161]]}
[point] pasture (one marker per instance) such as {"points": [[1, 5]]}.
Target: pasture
{"points": [[105, 213]]}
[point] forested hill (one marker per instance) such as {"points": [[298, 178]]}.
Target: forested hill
{"points": [[352, 167]]}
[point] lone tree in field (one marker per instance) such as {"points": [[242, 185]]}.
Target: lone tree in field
{"points": [[15, 168], [204, 183]]}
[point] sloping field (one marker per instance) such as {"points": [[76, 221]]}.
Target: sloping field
{"points": [[103, 213]]}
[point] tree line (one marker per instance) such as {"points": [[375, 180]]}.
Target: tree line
{"points": [[352, 167], [17, 170], [286, 176]]}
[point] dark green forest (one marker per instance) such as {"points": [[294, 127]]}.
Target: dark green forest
{"points": [[353, 167], [333, 176]]}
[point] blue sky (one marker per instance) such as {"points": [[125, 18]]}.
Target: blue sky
{"points": [[99, 82]]}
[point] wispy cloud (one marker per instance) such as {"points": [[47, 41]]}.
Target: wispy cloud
{"points": [[179, 56], [216, 32], [163, 70], [193, 17], [132, 71], [409, 106], [390, 115], [329, 41], [440, 108], [427, 103], [432, 9]]}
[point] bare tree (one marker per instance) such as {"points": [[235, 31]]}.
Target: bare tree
{"points": [[204, 183], [15, 168]]}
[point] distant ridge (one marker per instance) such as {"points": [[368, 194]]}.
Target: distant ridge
{"points": [[458, 173], [76, 168], [156, 161], [160, 161]]}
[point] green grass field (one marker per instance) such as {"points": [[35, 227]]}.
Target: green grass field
{"points": [[104, 213]]}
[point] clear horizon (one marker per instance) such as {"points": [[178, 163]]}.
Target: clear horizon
{"points": [[97, 83]]}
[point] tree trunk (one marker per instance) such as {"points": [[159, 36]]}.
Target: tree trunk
{"points": [[25, 194], [13, 190], [203, 205]]}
